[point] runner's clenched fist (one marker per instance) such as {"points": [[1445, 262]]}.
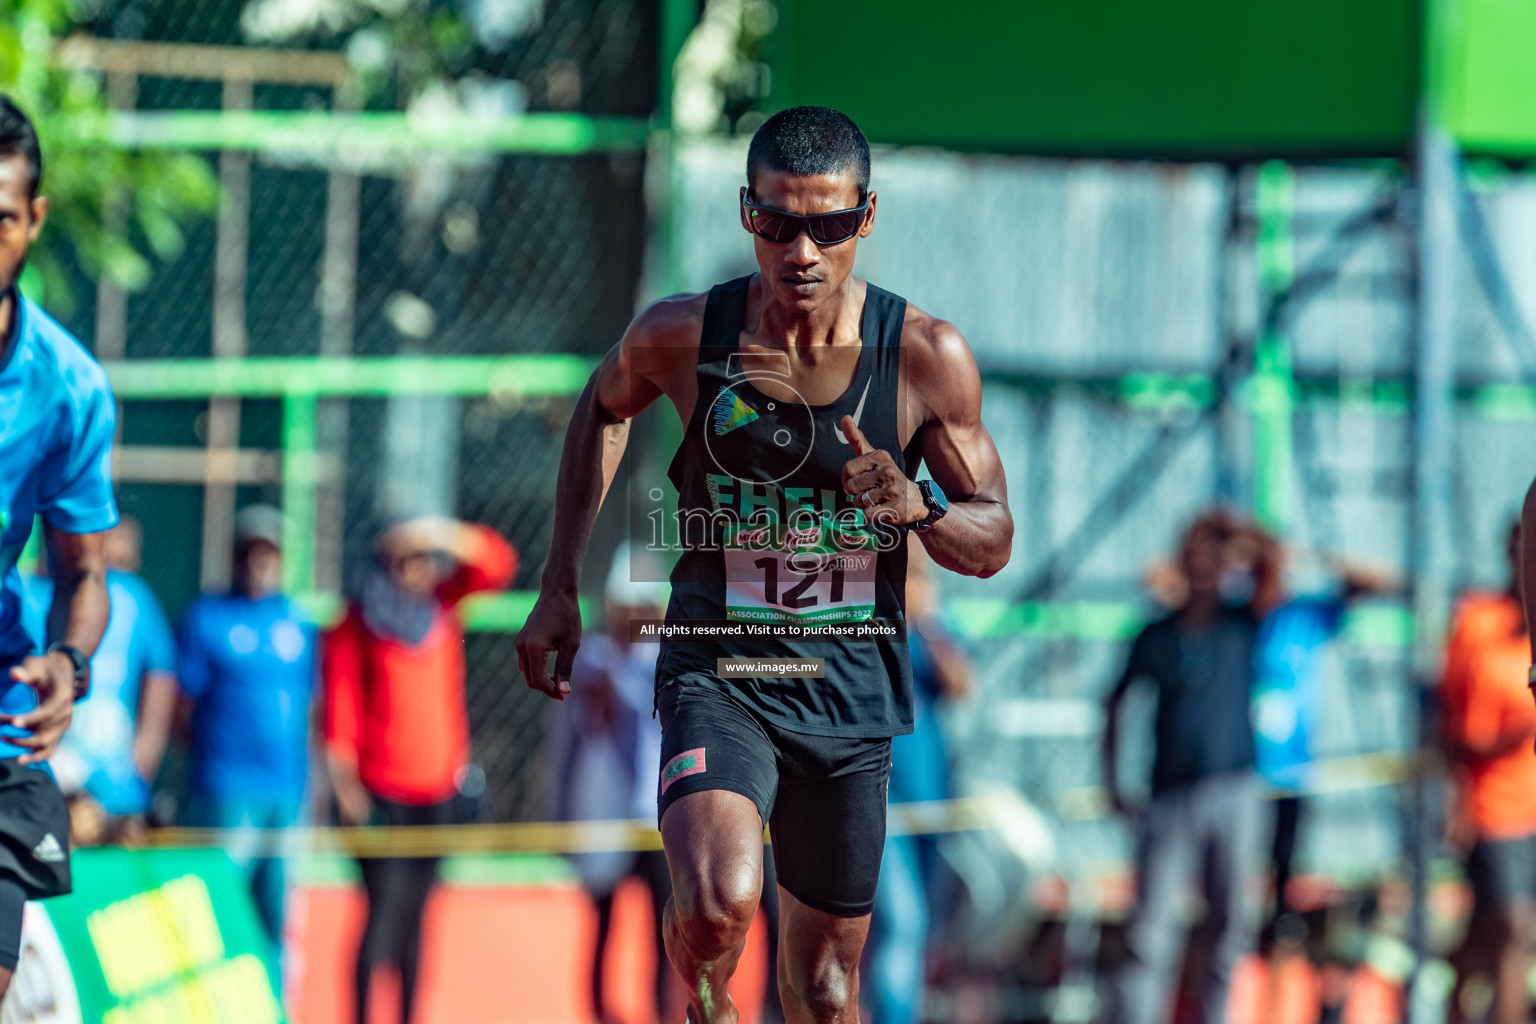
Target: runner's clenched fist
{"points": [[871, 478]]}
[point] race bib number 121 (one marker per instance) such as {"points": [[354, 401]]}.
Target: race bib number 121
{"points": [[817, 574]]}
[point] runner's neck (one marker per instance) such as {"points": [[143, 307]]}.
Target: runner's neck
{"points": [[822, 327]]}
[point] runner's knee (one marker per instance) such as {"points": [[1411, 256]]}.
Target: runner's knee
{"points": [[715, 910], [827, 991]]}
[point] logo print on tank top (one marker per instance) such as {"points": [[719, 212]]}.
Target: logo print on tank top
{"points": [[731, 412], [781, 439]]}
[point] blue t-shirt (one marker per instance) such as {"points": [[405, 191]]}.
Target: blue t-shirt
{"points": [[1288, 686], [57, 418], [96, 754], [250, 665]]}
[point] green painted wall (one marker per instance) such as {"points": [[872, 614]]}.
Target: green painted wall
{"points": [[1176, 78]]}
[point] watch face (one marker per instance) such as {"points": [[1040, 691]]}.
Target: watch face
{"points": [[937, 504]]}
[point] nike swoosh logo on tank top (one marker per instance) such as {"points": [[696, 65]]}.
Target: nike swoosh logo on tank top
{"points": [[858, 413]]}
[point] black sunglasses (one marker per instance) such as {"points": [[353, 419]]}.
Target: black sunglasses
{"points": [[823, 228]]}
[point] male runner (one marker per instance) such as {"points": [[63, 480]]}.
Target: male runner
{"points": [[57, 418], [810, 398]]}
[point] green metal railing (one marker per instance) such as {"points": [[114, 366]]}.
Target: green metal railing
{"points": [[355, 136], [300, 383]]}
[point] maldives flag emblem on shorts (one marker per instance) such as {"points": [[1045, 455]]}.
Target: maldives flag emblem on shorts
{"points": [[689, 762]]}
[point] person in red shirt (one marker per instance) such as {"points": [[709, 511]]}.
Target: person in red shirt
{"points": [[1488, 724], [396, 726]]}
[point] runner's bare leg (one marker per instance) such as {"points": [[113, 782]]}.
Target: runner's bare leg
{"points": [[819, 963], [714, 844]]}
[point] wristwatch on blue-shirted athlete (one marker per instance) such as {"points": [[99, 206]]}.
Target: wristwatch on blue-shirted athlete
{"points": [[937, 504], [82, 666]]}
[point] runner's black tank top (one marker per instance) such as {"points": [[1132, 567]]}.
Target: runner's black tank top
{"points": [[768, 536]]}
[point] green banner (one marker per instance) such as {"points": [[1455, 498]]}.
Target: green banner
{"points": [[162, 936]]}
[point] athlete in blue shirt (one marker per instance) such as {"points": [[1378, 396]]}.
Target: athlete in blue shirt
{"points": [[248, 661], [57, 418]]}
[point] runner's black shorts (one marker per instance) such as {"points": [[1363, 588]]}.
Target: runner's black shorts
{"points": [[822, 797]]}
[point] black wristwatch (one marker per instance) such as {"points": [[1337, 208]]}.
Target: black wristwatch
{"points": [[937, 504], [82, 666]]}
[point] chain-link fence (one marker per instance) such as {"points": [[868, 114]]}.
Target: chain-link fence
{"points": [[382, 248]]}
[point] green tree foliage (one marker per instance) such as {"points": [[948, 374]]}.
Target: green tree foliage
{"points": [[721, 75], [399, 49], [118, 210]]}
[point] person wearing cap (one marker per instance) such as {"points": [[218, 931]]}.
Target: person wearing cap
{"points": [[247, 672], [396, 726]]}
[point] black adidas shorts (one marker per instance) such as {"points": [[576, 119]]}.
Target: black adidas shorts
{"points": [[34, 830], [34, 848], [822, 797]]}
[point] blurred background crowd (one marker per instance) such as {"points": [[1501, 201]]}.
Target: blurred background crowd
{"points": [[1251, 289], [249, 696], [251, 720]]}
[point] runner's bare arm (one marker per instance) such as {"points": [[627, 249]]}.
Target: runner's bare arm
{"points": [[624, 384], [976, 536], [78, 618]]}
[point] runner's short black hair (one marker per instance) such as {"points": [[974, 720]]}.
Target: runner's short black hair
{"points": [[809, 140], [19, 138]]}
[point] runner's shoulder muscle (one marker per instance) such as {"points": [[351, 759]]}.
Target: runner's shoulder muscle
{"points": [[940, 380], [657, 355]]}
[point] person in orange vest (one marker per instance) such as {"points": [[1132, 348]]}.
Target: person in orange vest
{"points": [[1488, 723], [396, 726]]}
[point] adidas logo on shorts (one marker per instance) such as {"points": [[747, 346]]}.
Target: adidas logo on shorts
{"points": [[49, 851]]}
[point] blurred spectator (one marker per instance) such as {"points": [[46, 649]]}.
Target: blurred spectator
{"points": [[1287, 707], [1488, 724], [608, 749], [1287, 711], [898, 935], [248, 671], [107, 762], [1206, 818], [396, 728]]}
